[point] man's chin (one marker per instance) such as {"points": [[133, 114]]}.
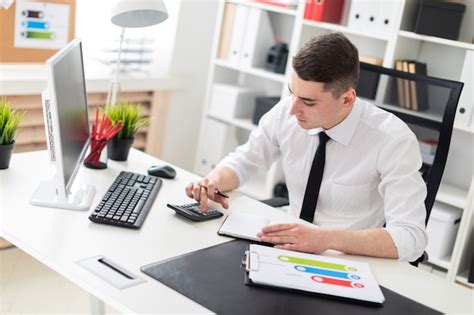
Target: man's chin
{"points": [[304, 125]]}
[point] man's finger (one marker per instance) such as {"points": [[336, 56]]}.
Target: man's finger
{"points": [[189, 190], [211, 190], [223, 201], [278, 239], [284, 233], [203, 206], [278, 227]]}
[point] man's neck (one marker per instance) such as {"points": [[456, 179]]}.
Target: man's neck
{"points": [[341, 118]]}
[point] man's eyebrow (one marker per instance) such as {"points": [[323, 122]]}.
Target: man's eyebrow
{"points": [[301, 98]]}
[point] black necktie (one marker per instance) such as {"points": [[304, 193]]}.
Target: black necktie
{"points": [[314, 181]]}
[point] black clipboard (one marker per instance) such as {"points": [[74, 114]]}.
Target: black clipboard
{"points": [[214, 277]]}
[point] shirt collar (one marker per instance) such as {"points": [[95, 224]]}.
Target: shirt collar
{"points": [[344, 131]]}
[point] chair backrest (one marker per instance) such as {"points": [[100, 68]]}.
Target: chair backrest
{"points": [[390, 85]]}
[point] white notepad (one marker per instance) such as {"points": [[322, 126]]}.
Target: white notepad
{"points": [[312, 273], [246, 225]]}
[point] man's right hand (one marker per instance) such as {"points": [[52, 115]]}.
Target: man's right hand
{"points": [[203, 190]]}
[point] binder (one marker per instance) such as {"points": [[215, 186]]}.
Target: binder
{"points": [[308, 9], [406, 86], [215, 278], [400, 85], [466, 101], [258, 39], [238, 32], [226, 31], [327, 11], [418, 90], [360, 14], [386, 14], [368, 80]]}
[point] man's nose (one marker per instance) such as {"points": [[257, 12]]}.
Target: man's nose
{"points": [[294, 106]]}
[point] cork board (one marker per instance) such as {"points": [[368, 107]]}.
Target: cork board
{"points": [[11, 54]]}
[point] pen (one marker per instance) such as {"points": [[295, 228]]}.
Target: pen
{"points": [[220, 193]]}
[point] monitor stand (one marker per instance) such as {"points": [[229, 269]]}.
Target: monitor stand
{"points": [[47, 195]]}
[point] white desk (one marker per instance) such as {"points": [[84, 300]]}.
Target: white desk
{"points": [[59, 238]]}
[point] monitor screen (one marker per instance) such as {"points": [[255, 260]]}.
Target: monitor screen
{"points": [[71, 107]]}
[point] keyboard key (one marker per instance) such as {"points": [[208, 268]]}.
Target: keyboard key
{"points": [[125, 202]]}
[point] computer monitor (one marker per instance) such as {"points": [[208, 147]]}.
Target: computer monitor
{"points": [[67, 130]]}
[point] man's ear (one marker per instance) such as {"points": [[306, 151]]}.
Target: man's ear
{"points": [[348, 98]]}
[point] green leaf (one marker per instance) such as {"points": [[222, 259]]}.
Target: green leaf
{"points": [[9, 122], [130, 114]]}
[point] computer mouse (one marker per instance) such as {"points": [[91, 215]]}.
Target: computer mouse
{"points": [[164, 171]]}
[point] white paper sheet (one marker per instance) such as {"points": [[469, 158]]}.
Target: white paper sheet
{"points": [[313, 273]]}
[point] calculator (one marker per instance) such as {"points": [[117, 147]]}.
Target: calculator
{"points": [[192, 212]]}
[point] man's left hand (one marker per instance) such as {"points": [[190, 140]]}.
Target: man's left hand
{"points": [[295, 236]]}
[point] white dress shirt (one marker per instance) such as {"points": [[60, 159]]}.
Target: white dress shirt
{"points": [[370, 177]]}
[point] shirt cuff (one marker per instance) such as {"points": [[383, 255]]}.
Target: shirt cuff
{"points": [[410, 242], [240, 173]]}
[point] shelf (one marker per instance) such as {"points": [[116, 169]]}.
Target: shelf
{"points": [[263, 6], [462, 278], [343, 29], [262, 73], [436, 40], [237, 122], [443, 262], [464, 129], [452, 195], [423, 119]]}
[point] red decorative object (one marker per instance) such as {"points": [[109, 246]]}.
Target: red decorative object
{"points": [[102, 132]]}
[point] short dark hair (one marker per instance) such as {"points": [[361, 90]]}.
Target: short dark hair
{"points": [[331, 59]]}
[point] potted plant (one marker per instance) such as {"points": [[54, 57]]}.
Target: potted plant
{"points": [[130, 116], [9, 121]]}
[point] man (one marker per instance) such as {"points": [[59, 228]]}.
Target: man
{"points": [[350, 167]]}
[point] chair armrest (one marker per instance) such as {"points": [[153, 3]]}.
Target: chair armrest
{"points": [[276, 202]]}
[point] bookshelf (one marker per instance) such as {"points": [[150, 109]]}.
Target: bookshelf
{"points": [[445, 58]]}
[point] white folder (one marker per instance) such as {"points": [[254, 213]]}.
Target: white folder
{"points": [[258, 39], [238, 32], [387, 15], [464, 111], [358, 14]]}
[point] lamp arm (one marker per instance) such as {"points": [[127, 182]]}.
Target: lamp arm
{"points": [[114, 88]]}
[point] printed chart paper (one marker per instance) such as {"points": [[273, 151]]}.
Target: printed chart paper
{"points": [[313, 273], [41, 25]]}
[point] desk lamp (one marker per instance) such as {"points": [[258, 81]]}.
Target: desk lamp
{"points": [[133, 13]]}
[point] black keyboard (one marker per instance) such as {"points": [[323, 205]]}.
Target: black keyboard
{"points": [[127, 201]]}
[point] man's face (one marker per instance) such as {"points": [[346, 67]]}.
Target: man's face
{"points": [[313, 107]]}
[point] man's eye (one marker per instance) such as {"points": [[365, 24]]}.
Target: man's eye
{"points": [[309, 103]]}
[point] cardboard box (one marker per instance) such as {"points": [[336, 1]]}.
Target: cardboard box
{"points": [[442, 229]]}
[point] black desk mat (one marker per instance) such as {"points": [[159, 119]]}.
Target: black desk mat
{"points": [[214, 278]]}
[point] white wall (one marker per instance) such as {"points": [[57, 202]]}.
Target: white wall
{"points": [[182, 48], [191, 57], [93, 26]]}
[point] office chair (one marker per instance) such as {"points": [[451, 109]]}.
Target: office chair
{"points": [[441, 90]]}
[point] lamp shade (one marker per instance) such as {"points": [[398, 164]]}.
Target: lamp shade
{"points": [[138, 13]]}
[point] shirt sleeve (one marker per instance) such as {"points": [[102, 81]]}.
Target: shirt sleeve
{"points": [[261, 149], [404, 193]]}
